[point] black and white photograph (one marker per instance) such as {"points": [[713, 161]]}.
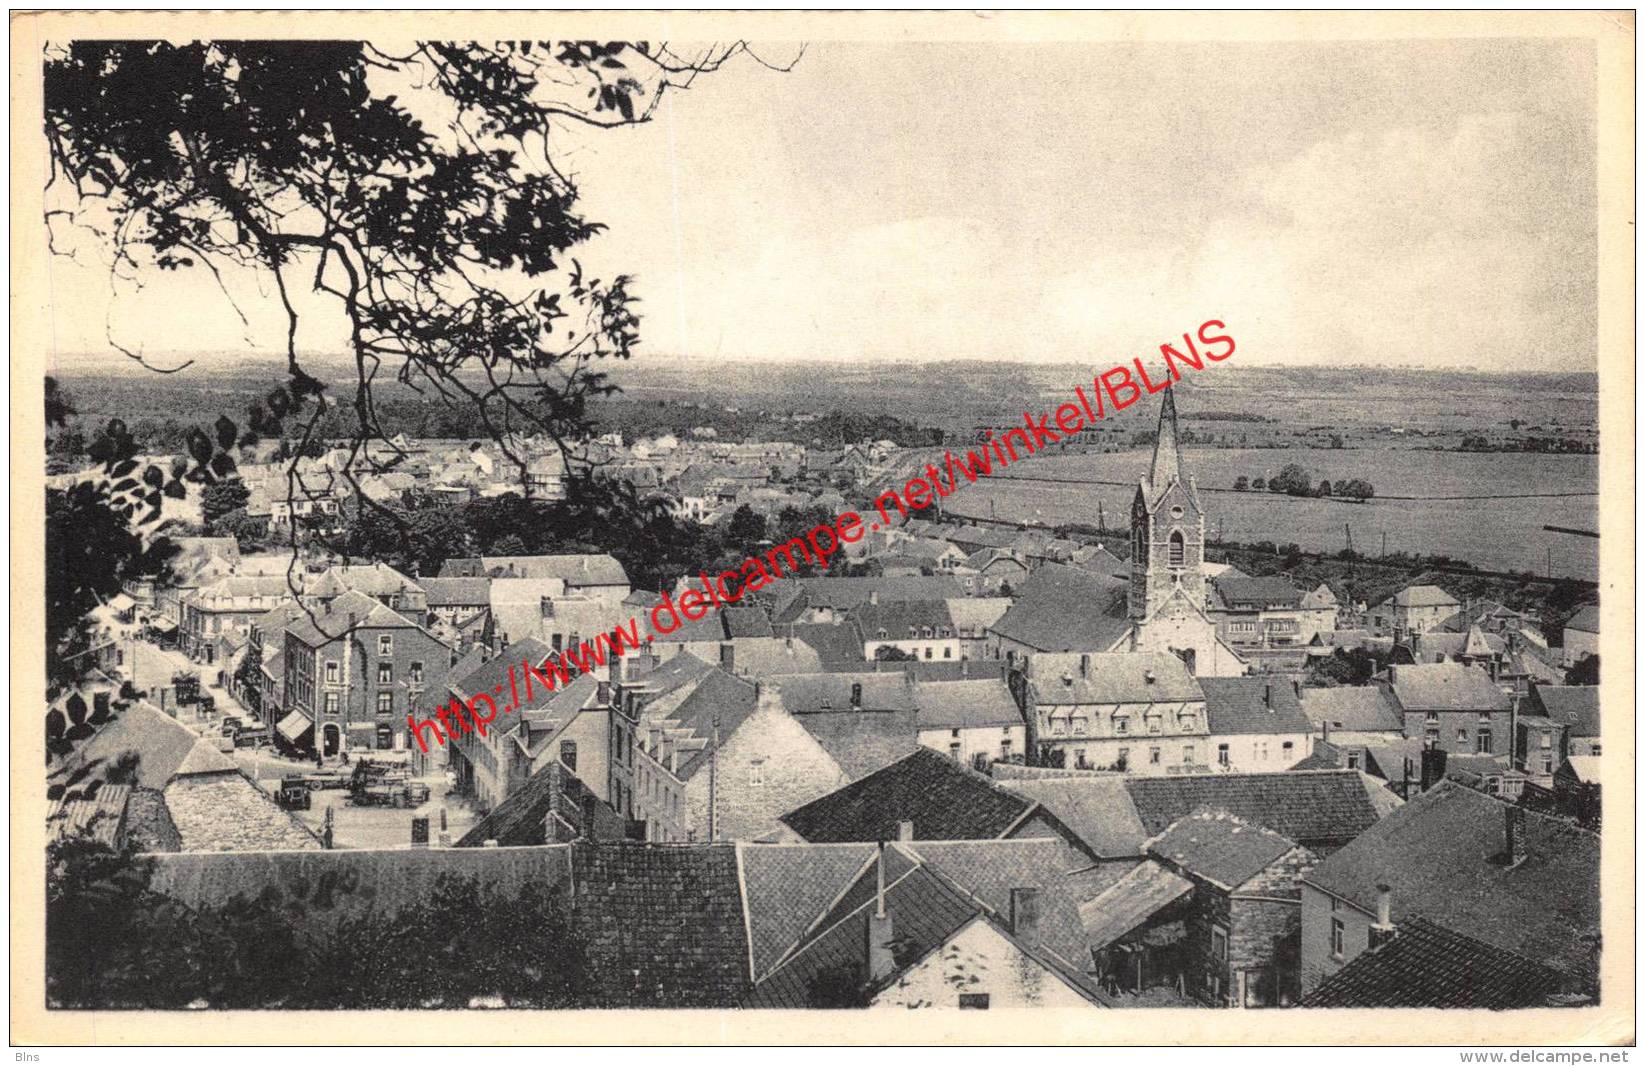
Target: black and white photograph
{"points": [[738, 518]]}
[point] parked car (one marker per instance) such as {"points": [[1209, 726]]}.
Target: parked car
{"points": [[294, 793]]}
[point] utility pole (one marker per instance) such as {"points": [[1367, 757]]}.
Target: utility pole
{"points": [[713, 779], [1349, 533]]}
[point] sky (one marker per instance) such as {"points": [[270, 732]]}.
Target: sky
{"points": [[1403, 202]]}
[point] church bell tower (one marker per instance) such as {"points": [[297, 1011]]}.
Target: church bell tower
{"points": [[1167, 528]]}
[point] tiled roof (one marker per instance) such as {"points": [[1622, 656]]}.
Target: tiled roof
{"points": [[518, 821], [1576, 706], [1261, 591], [1097, 809], [1111, 677], [903, 619], [1585, 620], [1217, 846], [863, 741], [1065, 608], [1426, 965], [1313, 808], [1445, 687], [663, 925], [1362, 708], [227, 812], [1320, 596], [101, 816], [773, 657], [1252, 705], [161, 742], [1442, 854], [148, 823], [975, 614], [944, 800], [986, 703]]}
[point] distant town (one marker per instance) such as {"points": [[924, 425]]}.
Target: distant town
{"points": [[981, 762]]}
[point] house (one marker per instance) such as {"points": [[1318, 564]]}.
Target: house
{"points": [[354, 674], [380, 581], [997, 570], [830, 599], [456, 601], [594, 576], [553, 806], [972, 721], [1474, 647], [1259, 612], [229, 603], [1240, 927], [923, 629], [1254, 723], [1416, 609], [677, 750], [977, 925], [1141, 713], [939, 798], [1540, 747], [1581, 634], [1451, 706], [1357, 709], [865, 721], [1576, 707], [1061, 609], [973, 616], [1472, 864]]}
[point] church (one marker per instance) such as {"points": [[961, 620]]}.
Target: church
{"points": [[1166, 600]]}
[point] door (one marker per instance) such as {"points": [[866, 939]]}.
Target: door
{"points": [[333, 740]]}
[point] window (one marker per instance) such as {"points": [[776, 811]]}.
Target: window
{"points": [[1260, 748], [1336, 938], [385, 738], [385, 644], [1080, 724], [1547, 741], [1155, 724], [973, 1001], [1187, 753], [954, 732], [385, 703], [1547, 766], [331, 703], [1285, 751], [568, 754], [1153, 756], [1122, 724], [416, 673], [1124, 758], [1432, 716], [333, 672], [948, 653], [856, 694], [1005, 750], [928, 652], [385, 673], [546, 607], [1059, 725], [1176, 550], [954, 751], [1482, 742], [1222, 755], [1462, 736], [1593, 747], [1219, 944], [1353, 760]]}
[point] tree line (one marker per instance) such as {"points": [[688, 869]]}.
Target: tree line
{"points": [[1293, 480]]}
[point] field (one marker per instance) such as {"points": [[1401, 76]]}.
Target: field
{"points": [[1498, 534]]}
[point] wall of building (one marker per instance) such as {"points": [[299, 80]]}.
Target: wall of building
{"points": [[985, 740], [765, 769], [1578, 644], [1318, 960], [1459, 730], [979, 961], [1258, 752]]}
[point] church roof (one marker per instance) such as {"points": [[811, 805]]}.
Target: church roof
{"points": [[1166, 469]]}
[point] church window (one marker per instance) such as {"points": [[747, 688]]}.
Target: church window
{"points": [[1177, 548]]}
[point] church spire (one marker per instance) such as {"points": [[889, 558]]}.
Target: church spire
{"points": [[1167, 463]]}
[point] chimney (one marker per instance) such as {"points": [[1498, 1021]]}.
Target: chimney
{"points": [[1515, 830], [1148, 676], [1025, 916], [1433, 767], [728, 657], [1383, 931], [602, 693], [1268, 696], [1325, 730], [881, 963], [905, 830]]}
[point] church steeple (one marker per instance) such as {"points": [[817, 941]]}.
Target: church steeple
{"points": [[1167, 465]]}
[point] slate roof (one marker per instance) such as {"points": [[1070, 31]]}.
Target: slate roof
{"points": [[1576, 706], [518, 821], [1144, 891], [770, 656], [1360, 708], [1112, 677], [1442, 855], [1313, 808], [986, 703], [579, 571], [746, 622], [789, 887], [808, 693], [837, 646], [975, 614], [844, 593], [161, 742], [716, 693], [1065, 608], [1220, 848], [457, 591], [1445, 687], [944, 800], [1252, 705], [663, 925], [348, 612], [1426, 965], [903, 619], [487, 675], [1424, 596], [1585, 620], [863, 741], [1097, 809]]}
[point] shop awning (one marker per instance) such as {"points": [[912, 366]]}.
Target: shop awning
{"points": [[122, 603], [163, 625], [1130, 901], [294, 725]]}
